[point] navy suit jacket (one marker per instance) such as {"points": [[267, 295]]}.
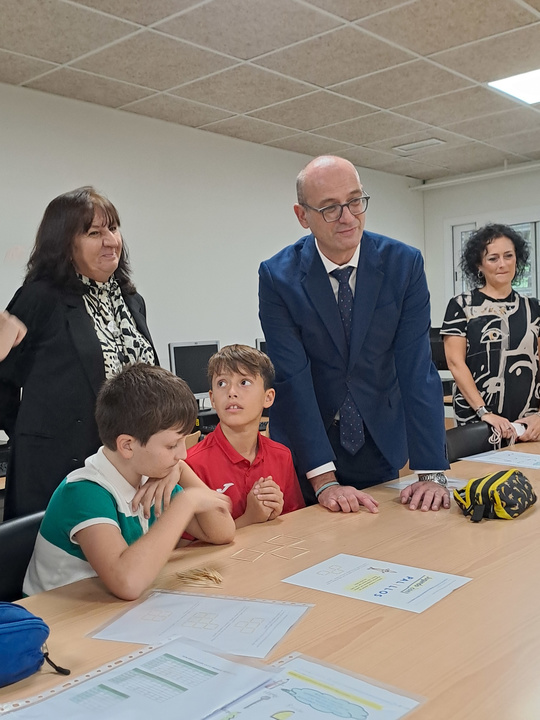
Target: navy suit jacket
{"points": [[388, 369]]}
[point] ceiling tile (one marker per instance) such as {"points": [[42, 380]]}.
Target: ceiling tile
{"points": [[446, 24], [312, 111], [177, 110], [487, 60], [246, 28], [153, 60], [309, 144], [443, 110], [306, 75], [355, 9], [337, 56], [411, 168], [54, 30], [144, 13], [448, 138], [467, 158], [402, 84], [15, 69], [371, 128], [242, 88], [90, 88], [524, 143], [246, 128], [365, 157], [500, 123]]}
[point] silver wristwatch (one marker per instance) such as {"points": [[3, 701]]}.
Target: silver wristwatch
{"points": [[481, 411], [436, 477]]}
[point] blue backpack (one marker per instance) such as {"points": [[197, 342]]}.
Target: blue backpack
{"points": [[23, 649]]}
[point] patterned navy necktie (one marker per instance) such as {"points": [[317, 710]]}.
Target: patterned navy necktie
{"points": [[351, 426]]}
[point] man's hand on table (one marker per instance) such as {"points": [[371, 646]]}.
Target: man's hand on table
{"points": [[425, 496], [343, 498]]}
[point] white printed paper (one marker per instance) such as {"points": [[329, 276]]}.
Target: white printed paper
{"points": [[507, 457], [307, 689], [233, 625], [174, 681], [384, 583]]}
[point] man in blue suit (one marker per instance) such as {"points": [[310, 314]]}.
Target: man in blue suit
{"points": [[346, 317]]}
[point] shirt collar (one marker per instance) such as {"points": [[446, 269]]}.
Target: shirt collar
{"points": [[232, 454], [329, 266], [114, 478], [97, 286]]}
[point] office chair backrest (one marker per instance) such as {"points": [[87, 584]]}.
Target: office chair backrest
{"points": [[468, 439], [192, 439], [17, 539]]}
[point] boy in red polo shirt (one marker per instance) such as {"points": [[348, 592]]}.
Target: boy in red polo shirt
{"points": [[255, 472]]}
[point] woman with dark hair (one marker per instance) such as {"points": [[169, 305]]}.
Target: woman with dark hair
{"points": [[491, 337], [85, 322]]}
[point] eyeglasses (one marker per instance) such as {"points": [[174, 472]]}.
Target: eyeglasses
{"points": [[332, 213]]}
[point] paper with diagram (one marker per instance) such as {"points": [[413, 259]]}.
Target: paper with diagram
{"points": [[172, 681], [508, 457], [233, 625], [306, 689], [377, 581]]}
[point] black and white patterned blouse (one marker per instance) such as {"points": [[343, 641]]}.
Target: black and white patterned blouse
{"points": [[121, 342], [502, 352]]}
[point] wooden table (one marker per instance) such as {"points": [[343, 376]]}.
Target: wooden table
{"points": [[475, 654]]}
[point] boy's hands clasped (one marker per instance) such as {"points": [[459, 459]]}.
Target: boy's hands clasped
{"points": [[264, 502]]}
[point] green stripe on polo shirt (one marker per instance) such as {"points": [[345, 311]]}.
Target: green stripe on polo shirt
{"points": [[77, 502]]}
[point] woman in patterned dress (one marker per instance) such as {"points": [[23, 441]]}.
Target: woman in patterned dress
{"points": [[491, 337], [85, 322]]}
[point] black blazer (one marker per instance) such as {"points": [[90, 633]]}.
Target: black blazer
{"points": [[59, 366]]}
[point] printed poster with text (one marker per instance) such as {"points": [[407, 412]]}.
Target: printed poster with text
{"points": [[384, 583]]}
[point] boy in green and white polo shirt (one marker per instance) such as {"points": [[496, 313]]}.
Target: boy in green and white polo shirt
{"points": [[90, 527]]}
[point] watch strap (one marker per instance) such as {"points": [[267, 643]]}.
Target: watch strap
{"points": [[436, 477]]}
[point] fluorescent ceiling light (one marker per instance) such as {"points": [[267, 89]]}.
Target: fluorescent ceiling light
{"points": [[525, 87], [413, 147]]}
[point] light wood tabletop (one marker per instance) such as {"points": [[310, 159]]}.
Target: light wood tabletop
{"points": [[475, 654]]}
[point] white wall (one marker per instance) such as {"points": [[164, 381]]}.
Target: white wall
{"points": [[199, 210], [508, 199]]}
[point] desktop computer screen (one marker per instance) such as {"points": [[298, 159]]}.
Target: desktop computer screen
{"points": [[190, 361], [437, 349], [260, 344]]}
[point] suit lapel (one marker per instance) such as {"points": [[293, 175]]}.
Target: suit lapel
{"points": [[369, 279], [84, 338], [319, 290]]}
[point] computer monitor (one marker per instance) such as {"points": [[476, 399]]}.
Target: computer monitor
{"points": [[260, 344], [437, 349], [189, 360]]}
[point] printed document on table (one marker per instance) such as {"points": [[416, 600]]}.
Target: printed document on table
{"points": [[508, 457], [237, 626], [403, 482], [307, 689], [383, 583], [176, 680]]}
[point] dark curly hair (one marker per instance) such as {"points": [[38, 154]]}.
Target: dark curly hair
{"points": [[476, 248], [67, 216]]}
